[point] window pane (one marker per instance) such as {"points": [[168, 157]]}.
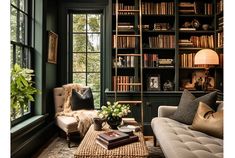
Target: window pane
{"points": [[14, 2], [79, 78], [96, 96], [93, 62], [11, 55], [13, 24], [19, 55], [79, 62], [93, 21], [93, 43], [23, 5], [26, 58], [93, 80], [79, 43], [22, 28], [79, 23]]}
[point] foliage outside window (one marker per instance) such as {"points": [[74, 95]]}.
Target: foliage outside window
{"points": [[86, 48], [22, 90], [21, 23]]}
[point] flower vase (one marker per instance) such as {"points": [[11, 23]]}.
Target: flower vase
{"points": [[114, 121]]}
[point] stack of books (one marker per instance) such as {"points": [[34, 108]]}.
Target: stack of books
{"points": [[115, 138]]}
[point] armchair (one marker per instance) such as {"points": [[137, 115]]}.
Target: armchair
{"points": [[68, 120]]}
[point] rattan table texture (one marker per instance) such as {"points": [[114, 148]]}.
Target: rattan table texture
{"points": [[89, 149]]}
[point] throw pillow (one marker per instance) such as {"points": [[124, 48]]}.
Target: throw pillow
{"points": [[83, 100], [188, 105], [208, 121]]}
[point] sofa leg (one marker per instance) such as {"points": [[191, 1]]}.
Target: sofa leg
{"points": [[68, 139], [154, 140]]}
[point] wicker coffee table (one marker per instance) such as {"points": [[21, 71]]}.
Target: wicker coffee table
{"points": [[89, 149]]}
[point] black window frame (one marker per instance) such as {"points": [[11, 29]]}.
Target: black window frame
{"points": [[26, 47], [70, 21]]}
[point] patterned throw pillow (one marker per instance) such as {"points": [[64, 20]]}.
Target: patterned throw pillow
{"points": [[83, 100], [188, 105]]}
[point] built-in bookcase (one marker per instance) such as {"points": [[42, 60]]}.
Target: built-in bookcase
{"points": [[172, 31]]}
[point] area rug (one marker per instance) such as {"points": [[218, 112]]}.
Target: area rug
{"points": [[58, 148]]}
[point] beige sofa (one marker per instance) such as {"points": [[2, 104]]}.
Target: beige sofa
{"points": [[178, 141]]}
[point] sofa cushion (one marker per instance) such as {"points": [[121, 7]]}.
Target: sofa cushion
{"points": [[187, 107], [82, 100], [208, 121], [178, 141]]}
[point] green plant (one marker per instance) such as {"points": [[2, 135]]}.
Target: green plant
{"points": [[22, 89], [114, 110]]}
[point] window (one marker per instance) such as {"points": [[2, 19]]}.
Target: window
{"points": [[21, 46], [86, 51]]}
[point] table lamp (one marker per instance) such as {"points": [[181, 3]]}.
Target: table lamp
{"points": [[207, 58]]}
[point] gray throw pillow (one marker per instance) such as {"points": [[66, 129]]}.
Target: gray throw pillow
{"points": [[188, 105]]}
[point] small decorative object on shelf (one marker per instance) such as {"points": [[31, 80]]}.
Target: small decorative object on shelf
{"points": [[154, 83], [168, 86], [195, 24], [114, 113]]}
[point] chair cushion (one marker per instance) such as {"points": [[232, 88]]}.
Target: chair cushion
{"points": [[188, 105], [67, 124], [208, 121], [82, 100]]}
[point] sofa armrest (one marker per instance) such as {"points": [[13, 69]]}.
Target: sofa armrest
{"points": [[165, 111]]}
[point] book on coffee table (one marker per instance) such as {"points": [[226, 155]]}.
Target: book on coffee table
{"points": [[113, 135], [117, 143]]}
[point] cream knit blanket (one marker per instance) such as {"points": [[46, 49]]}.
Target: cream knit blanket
{"points": [[83, 117]]}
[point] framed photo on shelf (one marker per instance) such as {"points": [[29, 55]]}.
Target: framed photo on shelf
{"points": [[52, 47], [154, 83]]}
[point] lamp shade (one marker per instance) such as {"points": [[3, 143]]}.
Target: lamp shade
{"points": [[207, 57]]}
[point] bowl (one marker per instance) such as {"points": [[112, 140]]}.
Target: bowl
{"points": [[125, 129]]}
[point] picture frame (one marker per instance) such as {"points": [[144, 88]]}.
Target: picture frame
{"points": [[52, 47], [154, 83]]}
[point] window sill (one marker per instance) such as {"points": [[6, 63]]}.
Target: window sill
{"points": [[27, 125]]}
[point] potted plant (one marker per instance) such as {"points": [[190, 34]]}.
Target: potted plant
{"points": [[22, 90], [113, 113]]}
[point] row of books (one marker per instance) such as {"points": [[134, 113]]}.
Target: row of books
{"points": [[220, 40], [161, 26], [122, 83], [124, 42], [124, 61], [187, 60], [220, 23], [161, 8], [123, 6], [162, 41], [150, 60], [187, 7], [196, 8], [219, 6], [115, 138], [208, 9], [205, 41], [125, 26], [167, 8]]}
